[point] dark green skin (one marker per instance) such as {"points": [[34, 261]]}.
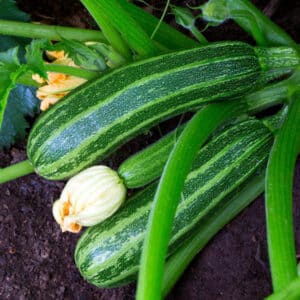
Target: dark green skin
{"points": [[107, 255], [90, 123]]}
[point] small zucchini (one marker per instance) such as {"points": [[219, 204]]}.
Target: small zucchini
{"points": [[147, 165]]}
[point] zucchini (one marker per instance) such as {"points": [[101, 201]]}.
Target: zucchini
{"points": [[108, 254], [102, 115], [147, 165]]}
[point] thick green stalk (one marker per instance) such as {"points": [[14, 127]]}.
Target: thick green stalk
{"points": [[180, 260], [275, 93], [169, 191], [130, 30], [273, 35], [165, 35], [251, 19], [291, 292], [51, 32], [78, 72], [107, 26], [279, 187], [15, 171]]}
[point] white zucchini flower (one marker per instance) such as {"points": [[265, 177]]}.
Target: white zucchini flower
{"points": [[89, 198]]}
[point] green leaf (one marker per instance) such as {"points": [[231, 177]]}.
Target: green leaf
{"points": [[17, 102], [9, 11], [22, 102], [34, 56], [9, 61], [10, 71]]}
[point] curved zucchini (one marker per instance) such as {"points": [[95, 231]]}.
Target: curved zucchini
{"points": [[107, 255], [102, 115]]}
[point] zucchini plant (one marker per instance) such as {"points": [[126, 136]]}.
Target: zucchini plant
{"points": [[108, 254], [159, 73]]}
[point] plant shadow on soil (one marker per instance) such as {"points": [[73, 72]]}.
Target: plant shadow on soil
{"points": [[36, 259]]}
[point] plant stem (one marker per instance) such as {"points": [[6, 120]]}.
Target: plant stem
{"points": [[279, 187], [109, 31], [291, 292], [272, 94], [78, 72], [179, 261], [198, 35], [169, 191], [273, 34], [51, 32], [130, 30], [160, 20], [15, 171], [165, 35]]}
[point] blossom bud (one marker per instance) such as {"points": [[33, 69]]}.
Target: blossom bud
{"points": [[89, 198]]}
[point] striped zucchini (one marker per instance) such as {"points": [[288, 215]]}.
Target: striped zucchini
{"points": [[107, 255], [102, 115], [147, 165]]}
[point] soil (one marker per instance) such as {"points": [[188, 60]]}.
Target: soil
{"points": [[36, 259]]}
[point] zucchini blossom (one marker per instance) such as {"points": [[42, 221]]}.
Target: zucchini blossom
{"points": [[89, 198]]}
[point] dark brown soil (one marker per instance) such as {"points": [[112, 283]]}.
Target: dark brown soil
{"points": [[36, 259]]}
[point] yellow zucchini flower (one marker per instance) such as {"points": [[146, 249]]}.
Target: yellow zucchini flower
{"points": [[57, 85]]}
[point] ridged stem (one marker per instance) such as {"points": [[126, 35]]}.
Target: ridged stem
{"points": [[107, 26], [279, 187], [15, 171], [168, 194], [272, 94], [291, 292], [51, 32], [244, 13], [130, 30], [183, 256]]}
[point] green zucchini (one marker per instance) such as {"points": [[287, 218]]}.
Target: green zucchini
{"points": [[107, 255], [102, 115], [147, 165]]}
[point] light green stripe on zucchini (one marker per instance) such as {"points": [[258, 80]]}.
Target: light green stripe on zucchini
{"points": [[108, 254]]}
